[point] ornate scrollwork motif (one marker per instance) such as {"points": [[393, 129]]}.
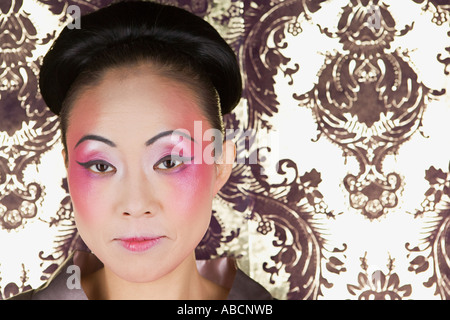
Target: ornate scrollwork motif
{"points": [[369, 101]]}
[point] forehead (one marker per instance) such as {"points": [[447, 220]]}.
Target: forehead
{"points": [[134, 101]]}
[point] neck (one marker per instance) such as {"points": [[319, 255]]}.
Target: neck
{"points": [[182, 283]]}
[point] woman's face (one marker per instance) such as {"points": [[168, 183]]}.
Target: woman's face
{"points": [[139, 206]]}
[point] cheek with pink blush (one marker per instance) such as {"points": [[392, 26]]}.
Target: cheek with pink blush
{"points": [[81, 189], [84, 185], [190, 189]]}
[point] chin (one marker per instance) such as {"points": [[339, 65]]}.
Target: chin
{"points": [[141, 274]]}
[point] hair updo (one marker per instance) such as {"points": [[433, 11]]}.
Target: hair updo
{"points": [[181, 45]]}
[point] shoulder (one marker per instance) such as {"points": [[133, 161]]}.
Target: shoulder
{"points": [[59, 287], [245, 288], [26, 295], [225, 272]]}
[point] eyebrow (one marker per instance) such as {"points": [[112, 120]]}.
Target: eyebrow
{"points": [[147, 143], [96, 138], [166, 133]]}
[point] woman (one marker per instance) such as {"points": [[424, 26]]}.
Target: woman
{"points": [[133, 86]]}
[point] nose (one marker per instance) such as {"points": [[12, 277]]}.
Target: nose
{"points": [[138, 196]]}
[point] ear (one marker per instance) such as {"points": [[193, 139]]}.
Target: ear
{"points": [[224, 165], [66, 160]]}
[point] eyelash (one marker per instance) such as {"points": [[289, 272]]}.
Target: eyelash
{"points": [[89, 164], [172, 158]]}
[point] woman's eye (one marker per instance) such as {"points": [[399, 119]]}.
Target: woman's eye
{"points": [[101, 168], [170, 162], [98, 167]]}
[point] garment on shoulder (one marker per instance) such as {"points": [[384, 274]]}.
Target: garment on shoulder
{"points": [[223, 271]]}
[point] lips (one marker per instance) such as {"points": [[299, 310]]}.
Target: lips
{"points": [[139, 244]]}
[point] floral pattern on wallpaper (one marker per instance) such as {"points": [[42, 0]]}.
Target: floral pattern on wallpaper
{"points": [[337, 109]]}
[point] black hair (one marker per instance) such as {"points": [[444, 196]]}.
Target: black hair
{"points": [[180, 44]]}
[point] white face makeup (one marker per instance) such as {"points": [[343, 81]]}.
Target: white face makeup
{"points": [[139, 206]]}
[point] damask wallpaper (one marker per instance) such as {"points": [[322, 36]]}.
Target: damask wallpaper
{"points": [[341, 188]]}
